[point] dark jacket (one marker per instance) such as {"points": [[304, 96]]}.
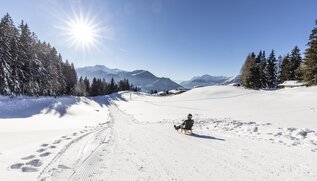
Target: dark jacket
{"points": [[188, 124]]}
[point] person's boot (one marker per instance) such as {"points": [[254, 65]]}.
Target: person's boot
{"points": [[176, 127]]}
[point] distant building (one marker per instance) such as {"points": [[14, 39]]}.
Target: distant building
{"points": [[290, 84]]}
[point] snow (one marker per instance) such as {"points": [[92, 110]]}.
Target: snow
{"points": [[239, 134], [138, 73], [291, 83], [28, 123]]}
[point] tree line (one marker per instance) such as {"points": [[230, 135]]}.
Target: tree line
{"points": [[101, 87], [34, 68], [261, 72], [29, 66]]}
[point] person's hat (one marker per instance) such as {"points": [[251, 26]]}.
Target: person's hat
{"points": [[190, 115]]}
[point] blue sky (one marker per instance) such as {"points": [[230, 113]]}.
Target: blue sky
{"points": [[173, 38]]}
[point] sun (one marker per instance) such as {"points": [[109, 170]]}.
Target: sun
{"points": [[82, 31]]}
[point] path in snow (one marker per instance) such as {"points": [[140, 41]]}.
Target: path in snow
{"points": [[134, 151]]}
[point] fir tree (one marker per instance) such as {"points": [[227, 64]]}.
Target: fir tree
{"points": [[271, 74], [250, 74], [284, 70], [261, 62], [310, 60], [295, 61], [6, 35]]}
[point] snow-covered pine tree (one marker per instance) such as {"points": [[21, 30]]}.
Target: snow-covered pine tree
{"points": [[6, 33], [16, 65], [54, 73], [44, 55], [30, 61], [61, 77], [278, 68], [310, 60]]}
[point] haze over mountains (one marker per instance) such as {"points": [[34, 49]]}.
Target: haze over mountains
{"points": [[208, 80], [147, 81]]}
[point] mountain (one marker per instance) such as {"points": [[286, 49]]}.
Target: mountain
{"points": [[141, 78], [208, 80]]}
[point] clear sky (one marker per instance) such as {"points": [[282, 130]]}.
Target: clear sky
{"points": [[172, 38]]}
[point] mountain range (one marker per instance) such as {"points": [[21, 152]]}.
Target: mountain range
{"points": [[147, 81], [208, 80], [141, 78]]}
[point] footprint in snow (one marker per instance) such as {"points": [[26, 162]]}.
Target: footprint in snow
{"points": [[74, 134], [29, 169], [16, 165], [41, 150], [57, 141], [64, 136], [45, 154], [35, 163], [52, 147], [28, 157], [44, 145]]}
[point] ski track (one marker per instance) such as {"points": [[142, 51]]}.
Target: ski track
{"points": [[128, 150]]}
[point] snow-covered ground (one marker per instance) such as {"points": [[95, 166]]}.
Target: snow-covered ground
{"points": [[239, 134]]}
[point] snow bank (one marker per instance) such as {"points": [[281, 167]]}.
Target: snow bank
{"points": [[34, 129]]}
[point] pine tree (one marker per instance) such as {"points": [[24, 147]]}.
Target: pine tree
{"points": [[271, 74], [250, 74], [87, 87], [310, 60], [295, 61], [262, 63], [29, 67], [26, 56], [70, 77], [6, 35], [284, 69], [94, 87]]}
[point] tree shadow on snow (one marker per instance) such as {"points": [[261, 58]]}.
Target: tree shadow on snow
{"points": [[107, 100], [25, 107], [207, 137]]}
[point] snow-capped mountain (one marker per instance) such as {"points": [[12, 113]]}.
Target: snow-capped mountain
{"points": [[208, 80], [141, 78]]}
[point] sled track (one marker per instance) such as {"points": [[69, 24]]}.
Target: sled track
{"points": [[65, 165], [129, 150]]}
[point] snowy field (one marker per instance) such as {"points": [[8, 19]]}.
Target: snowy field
{"points": [[239, 134]]}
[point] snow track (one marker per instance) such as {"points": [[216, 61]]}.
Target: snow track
{"points": [[128, 150]]}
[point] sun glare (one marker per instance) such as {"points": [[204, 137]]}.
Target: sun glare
{"points": [[82, 31]]}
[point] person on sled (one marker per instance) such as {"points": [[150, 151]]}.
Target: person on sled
{"points": [[186, 125]]}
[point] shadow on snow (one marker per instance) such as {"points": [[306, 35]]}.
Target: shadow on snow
{"points": [[206, 137], [24, 107], [107, 100]]}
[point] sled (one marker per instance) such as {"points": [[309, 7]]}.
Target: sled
{"points": [[185, 131]]}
